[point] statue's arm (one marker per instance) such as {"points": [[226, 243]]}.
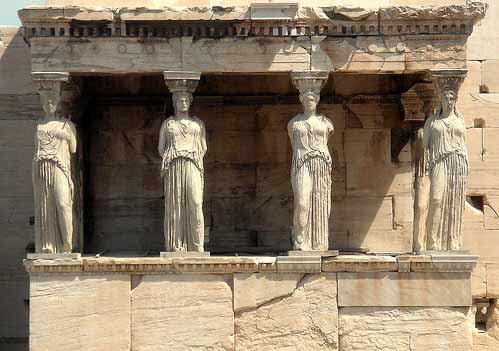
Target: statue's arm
{"points": [[203, 139], [426, 134], [290, 129], [72, 138], [162, 139], [330, 125]]}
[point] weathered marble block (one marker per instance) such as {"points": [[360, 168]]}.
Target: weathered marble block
{"points": [[405, 329], [303, 317], [79, 312], [404, 289], [182, 312]]}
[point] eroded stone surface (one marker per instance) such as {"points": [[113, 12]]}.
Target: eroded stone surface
{"points": [[304, 320], [405, 329], [70, 312], [180, 312]]}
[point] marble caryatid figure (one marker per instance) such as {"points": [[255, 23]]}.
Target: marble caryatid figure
{"points": [[419, 105], [311, 166], [444, 142], [182, 146], [55, 141]]}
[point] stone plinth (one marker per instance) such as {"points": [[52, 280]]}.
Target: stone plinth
{"points": [[250, 303], [183, 254]]}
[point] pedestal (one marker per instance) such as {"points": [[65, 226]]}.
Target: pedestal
{"points": [[328, 253], [53, 256]]}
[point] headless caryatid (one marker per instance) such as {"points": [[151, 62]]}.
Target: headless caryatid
{"points": [[55, 141], [444, 142], [182, 146], [311, 168]]}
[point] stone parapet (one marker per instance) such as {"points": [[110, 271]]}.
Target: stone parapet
{"points": [[254, 264], [246, 303]]}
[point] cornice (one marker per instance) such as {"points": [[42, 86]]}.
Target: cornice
{"points": [[258, 20]]}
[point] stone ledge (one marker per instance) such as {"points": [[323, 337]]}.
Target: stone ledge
{"points": [[253, 264]]}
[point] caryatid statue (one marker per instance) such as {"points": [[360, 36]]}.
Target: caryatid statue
{"points": [[311, 166], [182, 146], [444, 142], [419, 104], [55, 141]]}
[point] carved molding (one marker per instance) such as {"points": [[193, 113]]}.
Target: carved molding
{"points": [[281, 264], [269, 20]]}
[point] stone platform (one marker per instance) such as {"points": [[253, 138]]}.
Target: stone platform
{"points": [[348, 302]]}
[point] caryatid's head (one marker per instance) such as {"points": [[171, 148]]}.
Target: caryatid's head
{"points": [[309, 101], [448, 98], [51, 100], [182, 101]]}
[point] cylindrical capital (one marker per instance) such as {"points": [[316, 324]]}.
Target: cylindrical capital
{"points": [[309, 81], [448, 79], [50, 80], [181, 80]]}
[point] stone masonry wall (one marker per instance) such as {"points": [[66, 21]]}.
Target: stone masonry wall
{"points": [[246, 311]]}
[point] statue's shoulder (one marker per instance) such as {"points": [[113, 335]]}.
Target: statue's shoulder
{"points": [[70, 125], [198, 120], [293, 121], [326, 119], [166, 121]]}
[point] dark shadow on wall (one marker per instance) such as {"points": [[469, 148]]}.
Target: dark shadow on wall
{"points": [[248, 201]]}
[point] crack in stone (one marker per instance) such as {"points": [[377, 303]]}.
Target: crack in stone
{"points": [[299, 285]]}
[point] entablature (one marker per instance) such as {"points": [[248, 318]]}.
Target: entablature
{"points": [[254, 39], [256, 20]]}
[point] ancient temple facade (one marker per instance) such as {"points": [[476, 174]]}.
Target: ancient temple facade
{"points": [[377, 280]]}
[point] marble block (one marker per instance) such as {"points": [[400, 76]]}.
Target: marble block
{"points": [[79, 312], [404, 289], [405, 329], [299, 317], [182, 312], [255, 289]]}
